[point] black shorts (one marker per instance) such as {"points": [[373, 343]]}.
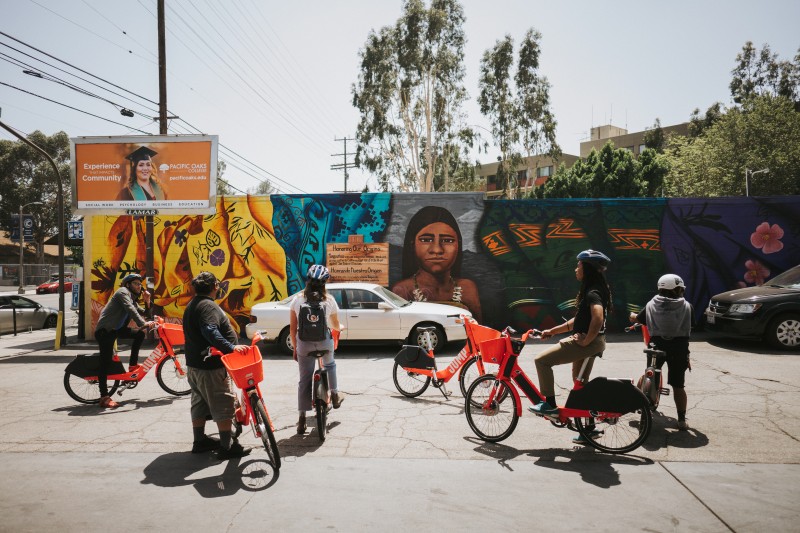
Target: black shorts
{"points": [[677, 359]]}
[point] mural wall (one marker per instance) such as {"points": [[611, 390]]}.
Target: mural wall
{"points": [[508, 262]]}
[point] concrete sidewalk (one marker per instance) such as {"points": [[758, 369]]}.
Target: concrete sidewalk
{"points": [[398, 464]]}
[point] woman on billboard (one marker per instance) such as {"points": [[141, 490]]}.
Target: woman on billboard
{"points": [[142, 183]]}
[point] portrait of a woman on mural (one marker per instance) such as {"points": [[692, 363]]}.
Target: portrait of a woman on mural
{"points": [[432, 255], [142, 183]]}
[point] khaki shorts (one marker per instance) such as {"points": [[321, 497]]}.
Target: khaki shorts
{"points": [[211, 394]]}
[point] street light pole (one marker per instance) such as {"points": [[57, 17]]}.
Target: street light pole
{"points": [[747, 182], [21, 276]]}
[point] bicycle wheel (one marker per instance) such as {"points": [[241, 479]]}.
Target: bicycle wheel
{"points": [[408, 383], [171, 375], [264, 430], [470, 372], [495, 420], [322, 418], [86, 391], [618, 435]]}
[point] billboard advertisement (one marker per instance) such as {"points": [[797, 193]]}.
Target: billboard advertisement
{"points": [[144, 175]]}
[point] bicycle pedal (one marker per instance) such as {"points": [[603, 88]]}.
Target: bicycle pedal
{"points": [[664, 392]]}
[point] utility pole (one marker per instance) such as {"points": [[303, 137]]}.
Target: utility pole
{"points": [[343, 166]]}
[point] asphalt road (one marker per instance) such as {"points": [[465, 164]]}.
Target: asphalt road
{"points": [[396, 464]]}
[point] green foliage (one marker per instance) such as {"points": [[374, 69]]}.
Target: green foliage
{"points": [[263, 188], [763, 74], [223, 187], [698, 124], [762, 133], [409, 94], [654, 137], [26, 176], [519, 109], [608, 173]]}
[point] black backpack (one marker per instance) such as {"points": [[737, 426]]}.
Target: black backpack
{"points": [[312, 325]]}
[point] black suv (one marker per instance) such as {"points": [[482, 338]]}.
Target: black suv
{"points": [[771, 311]]}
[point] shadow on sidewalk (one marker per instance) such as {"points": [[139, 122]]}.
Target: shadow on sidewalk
{"points": [[175, 470]]}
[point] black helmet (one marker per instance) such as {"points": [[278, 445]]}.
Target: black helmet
{"points": [[597, 259], [131, 277]]}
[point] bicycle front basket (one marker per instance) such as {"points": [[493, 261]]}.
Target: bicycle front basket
{"points": [[243, 367], [173, 333], [493, 351]]}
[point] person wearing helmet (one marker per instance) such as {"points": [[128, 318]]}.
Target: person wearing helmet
{"points": [[668, 317], [113, 324], [315, 295], [587, 328], [206, 325]]}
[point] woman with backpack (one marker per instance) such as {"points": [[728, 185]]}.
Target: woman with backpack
{"points": [[313, 313]]}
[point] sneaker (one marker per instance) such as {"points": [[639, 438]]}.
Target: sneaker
{"points": [[336, 399], [301, 424], [206, 444], [683, 425], [236, 450], [580, 439], [543, 409], [107, 403]]}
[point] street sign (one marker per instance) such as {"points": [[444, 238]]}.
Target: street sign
{"points": [[75, 229], [141, 212], [76, 295], [27, 227]]}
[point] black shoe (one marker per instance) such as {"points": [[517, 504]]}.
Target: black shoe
{"points": [[236, 450], [301, 424], [336, 399], [206, 444]]}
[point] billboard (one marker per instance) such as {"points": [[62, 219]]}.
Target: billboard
{"points": [[144, 174]]}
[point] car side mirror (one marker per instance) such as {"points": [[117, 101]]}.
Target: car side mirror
{"points": [[385, 306]]}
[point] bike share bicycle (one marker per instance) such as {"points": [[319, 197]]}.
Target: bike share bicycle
{"points": [[415, 366], [651, 382], [246, 369], [611, 414], [320, 388], [80, 376]]}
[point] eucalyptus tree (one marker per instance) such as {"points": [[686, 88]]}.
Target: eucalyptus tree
{"points": [[518, 108], [761, 73], [409, 95]]}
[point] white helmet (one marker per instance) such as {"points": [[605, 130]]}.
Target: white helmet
{"points": [[670, 281]]}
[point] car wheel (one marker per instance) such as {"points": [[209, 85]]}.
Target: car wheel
{"points": [[437, 337], [50, 322], [784, 331], [285, 342]]}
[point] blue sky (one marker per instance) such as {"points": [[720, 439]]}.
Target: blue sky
{"points": [[273, 79]]}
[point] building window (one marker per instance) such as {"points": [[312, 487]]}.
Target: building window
{"points": [[641, 148], [629, 148], [544, 172], [491, 179]]}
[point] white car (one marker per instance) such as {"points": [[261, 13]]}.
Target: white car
{"points": [[367, 312]]}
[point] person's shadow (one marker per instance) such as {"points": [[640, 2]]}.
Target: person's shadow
{"points": [[665, 433], [594, 468], [177, 469]]}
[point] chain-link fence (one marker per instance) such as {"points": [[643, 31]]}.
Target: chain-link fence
{"points": [[33, 274]]}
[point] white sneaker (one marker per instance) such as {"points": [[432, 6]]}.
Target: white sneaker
{"points": [[683, 425]]}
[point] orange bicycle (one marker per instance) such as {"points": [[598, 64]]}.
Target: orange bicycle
{"points": [[611, 414], [246, 369], [80, 376], [415, 367]]}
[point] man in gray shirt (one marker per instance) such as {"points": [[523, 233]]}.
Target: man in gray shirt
{"points": [[113, 324]]}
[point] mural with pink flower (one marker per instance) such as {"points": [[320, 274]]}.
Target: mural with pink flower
{"points": [[767, 238], [755, 272]]}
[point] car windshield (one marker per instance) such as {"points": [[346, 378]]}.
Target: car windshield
{"points": [[788, 280], [392, 297]]}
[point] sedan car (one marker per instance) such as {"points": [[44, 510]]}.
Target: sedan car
{"points": [[29, 314], [369, 313], [770, 311], [52, 285]]}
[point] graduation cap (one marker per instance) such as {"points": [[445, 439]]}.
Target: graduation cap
{"points": [[143, 152]]}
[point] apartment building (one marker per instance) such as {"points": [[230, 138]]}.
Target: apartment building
{"points": [[634, 142], [534, 171]]}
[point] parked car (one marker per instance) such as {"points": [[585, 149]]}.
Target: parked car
{"points": [[30, 314], [770, 311], [370, 313], [52, 285]]}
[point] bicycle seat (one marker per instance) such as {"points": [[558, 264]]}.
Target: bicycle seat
{"points": [[429, 329], [317, 353]]}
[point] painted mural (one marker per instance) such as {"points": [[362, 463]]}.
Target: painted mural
{"points": [[508, 262]]}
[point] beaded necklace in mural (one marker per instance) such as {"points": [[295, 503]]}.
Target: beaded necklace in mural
{"points": [[420, 297]]}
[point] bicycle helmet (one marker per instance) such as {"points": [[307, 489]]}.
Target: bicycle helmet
{"points": [[131, 277], [318, 273], [597, 259], [670, 282]]}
